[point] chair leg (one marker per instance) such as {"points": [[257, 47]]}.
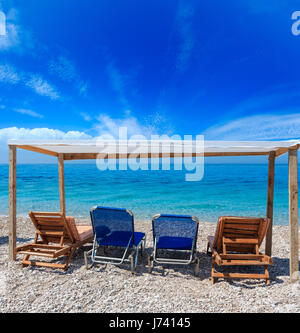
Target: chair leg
{"points": [[207, 250], [26, 257], [150, 264], [68, 259], [86, 259], [86, 254], [143, 247], [213, 278], [197, 266], [267, 275], [132, 266]]}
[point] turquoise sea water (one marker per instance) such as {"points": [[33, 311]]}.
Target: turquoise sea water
{"points": [[226, 189]]}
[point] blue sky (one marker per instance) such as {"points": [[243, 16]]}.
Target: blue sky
{"points": [[77, 69]]}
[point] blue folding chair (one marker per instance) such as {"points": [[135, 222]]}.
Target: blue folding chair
{"points": [[175, 233], [114, 227]]}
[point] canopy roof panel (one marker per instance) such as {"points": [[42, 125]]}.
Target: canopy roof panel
{"points": [[91, 149]]}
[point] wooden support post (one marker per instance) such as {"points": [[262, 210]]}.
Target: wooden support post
{"points": [[293, 214], [12, 220], [61, 176], [270, 202]]}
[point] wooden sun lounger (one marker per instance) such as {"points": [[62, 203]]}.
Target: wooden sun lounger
{"points": [[236, 243], [59, 236]]}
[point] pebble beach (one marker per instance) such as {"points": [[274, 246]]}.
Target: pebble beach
{"points": [[111, 289]]}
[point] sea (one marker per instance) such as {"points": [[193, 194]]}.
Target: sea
{"points": [[226, 189]]}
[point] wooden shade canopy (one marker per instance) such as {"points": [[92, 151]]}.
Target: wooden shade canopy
{"points": [[110, 149]]}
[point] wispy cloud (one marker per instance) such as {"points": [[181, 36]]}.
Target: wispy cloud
{"points": [[257, 127], [42, 87], [118, 83], [64, 68], [86, 116], [82, 88], [29, 113], [110, 126], [8, 74], [184, 20], [269, 99]]}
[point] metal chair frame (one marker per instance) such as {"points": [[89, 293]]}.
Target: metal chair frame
{"points": [[193, 257], [132, 258]]}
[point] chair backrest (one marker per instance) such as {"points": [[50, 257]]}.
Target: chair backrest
{"points": [[54, 227], [106, 220], [240, 227], [175, 226]]}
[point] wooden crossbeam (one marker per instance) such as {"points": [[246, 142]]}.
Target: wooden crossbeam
{"points": [[38, 150], [93, 156]]}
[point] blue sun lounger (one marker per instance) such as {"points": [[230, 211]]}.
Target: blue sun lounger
{"points": [[114, 227], [177, 233]]}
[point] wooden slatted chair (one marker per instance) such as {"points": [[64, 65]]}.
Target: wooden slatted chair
{"points": [[59, 236], [236, 243]]}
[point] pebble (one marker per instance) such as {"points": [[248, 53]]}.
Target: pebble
{"points": [[113, 289]]}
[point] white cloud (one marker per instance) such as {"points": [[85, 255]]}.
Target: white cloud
{"points": [[34, 134], [39, 134], [258, 127], [105, 125], [42, 87], [29, 113]]}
